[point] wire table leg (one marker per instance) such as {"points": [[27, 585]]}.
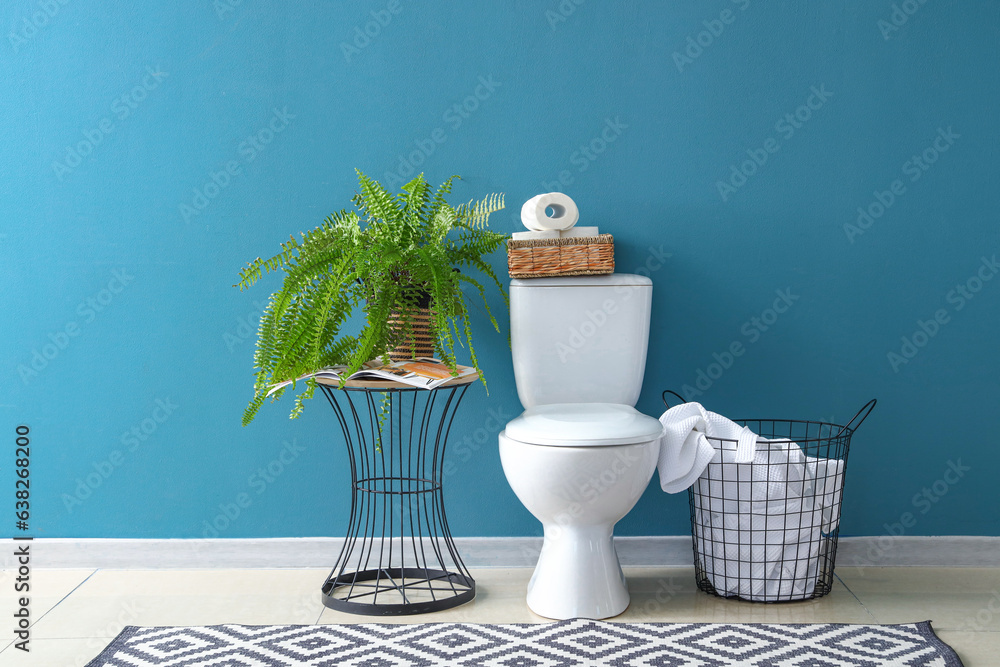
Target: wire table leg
{"points": [[399, 556]]}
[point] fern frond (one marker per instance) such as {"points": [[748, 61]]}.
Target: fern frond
{"points": [[375, 200], [476, 215], [384, 259], [255, 269]]}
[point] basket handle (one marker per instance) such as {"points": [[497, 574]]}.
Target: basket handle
{"points": [[863, 413], [865, 410], [664, 397]]}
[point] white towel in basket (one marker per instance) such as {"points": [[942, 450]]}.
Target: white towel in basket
{"points": [[685, 450], [759, 528]]}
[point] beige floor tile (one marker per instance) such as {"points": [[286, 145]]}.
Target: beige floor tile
{"points": [[503, 581], [500, 594], [976, 649], [930, 579], [47, 589], [956, 600], [671, 595], [658, 595], [112, 599], [965, 599], [54, 653]]}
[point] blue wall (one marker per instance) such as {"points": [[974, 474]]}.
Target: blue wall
{"points": [[648, 111]]}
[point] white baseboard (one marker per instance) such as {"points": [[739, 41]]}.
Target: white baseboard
{"points": [[321, 552]]}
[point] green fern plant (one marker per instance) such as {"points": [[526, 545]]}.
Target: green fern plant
{"points": [[394, 253]]}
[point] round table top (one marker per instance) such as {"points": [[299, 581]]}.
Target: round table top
{"points": [[391, 384]]}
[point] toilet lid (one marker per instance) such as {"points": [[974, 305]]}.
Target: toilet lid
{"points": [[583, 424]]}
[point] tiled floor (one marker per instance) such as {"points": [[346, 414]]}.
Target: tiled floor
{"points": [[78, 612]]}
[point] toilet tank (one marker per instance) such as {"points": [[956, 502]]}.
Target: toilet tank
{"points": [[580, 339]]}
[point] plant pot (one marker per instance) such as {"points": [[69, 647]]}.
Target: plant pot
{"points": [[419, 343]]}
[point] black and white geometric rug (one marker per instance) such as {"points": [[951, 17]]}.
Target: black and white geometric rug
{"points": [[563, 644]]}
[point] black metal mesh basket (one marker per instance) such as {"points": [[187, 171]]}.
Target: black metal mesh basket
{"points": [[766, 530]]}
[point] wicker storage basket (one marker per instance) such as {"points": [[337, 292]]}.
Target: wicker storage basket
{"points": [[575, 256]]}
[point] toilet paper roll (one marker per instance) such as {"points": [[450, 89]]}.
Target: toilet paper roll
{"points": [[527, 236], [564, 212], [574, 232]]}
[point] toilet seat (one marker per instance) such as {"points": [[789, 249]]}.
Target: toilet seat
{"points": [[583, 425]]}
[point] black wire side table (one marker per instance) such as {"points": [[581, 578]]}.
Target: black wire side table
{"points": [[399, 556]]}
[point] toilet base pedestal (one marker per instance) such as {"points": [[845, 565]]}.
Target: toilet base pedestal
{"points": [[578, 575]]}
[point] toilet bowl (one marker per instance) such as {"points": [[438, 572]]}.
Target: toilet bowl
{"points": [[579, 488], [580, 456]]}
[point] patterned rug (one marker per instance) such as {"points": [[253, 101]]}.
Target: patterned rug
{"points": [[577, 642]]}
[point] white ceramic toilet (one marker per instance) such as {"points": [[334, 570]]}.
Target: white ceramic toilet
{"points": [[580, 455]]}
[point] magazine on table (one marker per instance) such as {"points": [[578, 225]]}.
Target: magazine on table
{"points": [[422, 372]]}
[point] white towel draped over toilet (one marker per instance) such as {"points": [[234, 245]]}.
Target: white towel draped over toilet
{"points": [[763, 509]]}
